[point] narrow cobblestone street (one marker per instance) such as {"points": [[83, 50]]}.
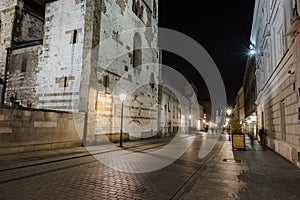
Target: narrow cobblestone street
{"points": [[223, 174]]}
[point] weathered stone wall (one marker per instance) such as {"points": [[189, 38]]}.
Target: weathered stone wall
{"points": [[71, 77], [22, 80], [19, 23], [29, 24], [29, 130], [116, 72], [7, 18], [60, 64]]}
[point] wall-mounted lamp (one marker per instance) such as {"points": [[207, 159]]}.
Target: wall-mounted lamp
{"points": [[252, 50]]}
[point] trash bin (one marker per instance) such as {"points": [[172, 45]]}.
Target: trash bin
{"points": [[238, 141]]}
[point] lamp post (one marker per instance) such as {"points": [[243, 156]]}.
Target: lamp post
{"points": [[122, 98]]}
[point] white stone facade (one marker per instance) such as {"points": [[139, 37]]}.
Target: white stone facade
{"points": [[91, 52], [275, 37], [60, 63]]}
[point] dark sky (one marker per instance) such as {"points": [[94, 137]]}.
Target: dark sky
{"points": [[221, 27]]}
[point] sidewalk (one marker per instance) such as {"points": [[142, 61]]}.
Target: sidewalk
{"points": [[254, 173]]}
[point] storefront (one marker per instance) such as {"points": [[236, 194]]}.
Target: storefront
{"points": [[251, 125]]}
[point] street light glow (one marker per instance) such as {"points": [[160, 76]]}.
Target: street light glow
{"points": [[229, 111], [252, 52], [122, 97]]}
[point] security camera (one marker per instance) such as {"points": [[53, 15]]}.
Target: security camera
{"points": [[291, 71]]}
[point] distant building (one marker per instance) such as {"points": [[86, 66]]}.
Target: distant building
{"points": [[249, 86], [275, 37], [178, 114], [240, 109]]}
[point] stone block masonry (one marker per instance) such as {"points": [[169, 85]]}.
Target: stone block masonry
{"points": [[73, 67], [30, 130], [7, 17], [60, 61]]}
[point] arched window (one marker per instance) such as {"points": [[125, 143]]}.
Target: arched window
{"points": [[137, 51]]}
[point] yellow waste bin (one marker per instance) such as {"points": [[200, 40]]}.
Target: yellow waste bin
{"points": [[238, 141]]}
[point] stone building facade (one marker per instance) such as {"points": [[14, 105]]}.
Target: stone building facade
{"points": [[240, 108], [275, 35], [80, 55], [21, 25], [249, 93]]}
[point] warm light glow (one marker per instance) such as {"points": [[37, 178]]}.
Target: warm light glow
{"points": [[229, 111], [190, 116], [122, 97], [227, 119], [199, 124]]}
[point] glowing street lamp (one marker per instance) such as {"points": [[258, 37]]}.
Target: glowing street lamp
{"points": [[252, 50], [122, 98], [229, 111]]}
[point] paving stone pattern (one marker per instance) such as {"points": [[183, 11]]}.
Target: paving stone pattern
{"points": [[73, 174]]}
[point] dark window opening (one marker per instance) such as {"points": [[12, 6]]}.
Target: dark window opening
{"points": [[74, 37], [106, 81], [65, 82], [24, 65], [294, 86], [152, 81], [137, 52]]}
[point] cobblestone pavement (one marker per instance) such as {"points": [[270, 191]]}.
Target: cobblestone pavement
{"points": [[256, 173]]}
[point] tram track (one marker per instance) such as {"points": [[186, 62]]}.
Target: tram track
{"points": [[42, 168], [188, 184]]}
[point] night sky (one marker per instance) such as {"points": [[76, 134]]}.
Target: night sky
{"points": [[221, 27]]}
